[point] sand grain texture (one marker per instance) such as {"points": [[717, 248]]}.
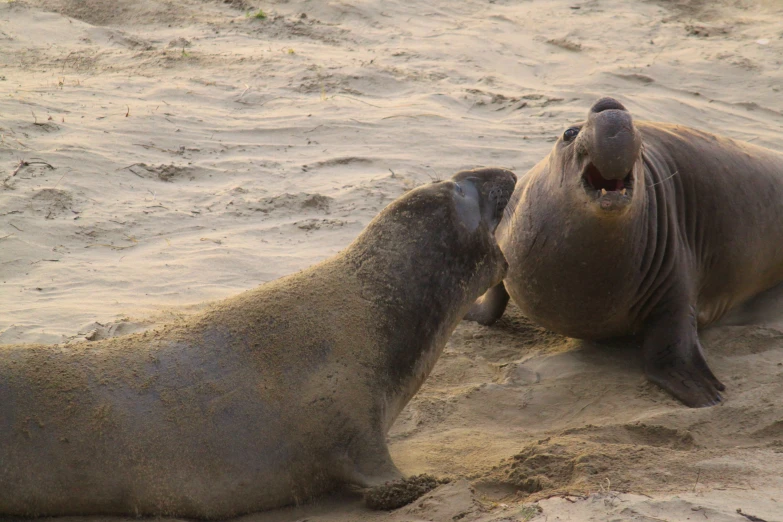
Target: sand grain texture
{"points": [[157, 155]]}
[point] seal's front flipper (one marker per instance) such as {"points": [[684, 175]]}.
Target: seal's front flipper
{"points": [[399, 493], [674, 360], [368, 464], [489, 307], [383, 486]]}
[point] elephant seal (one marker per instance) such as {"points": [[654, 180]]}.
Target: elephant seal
{"points": [[642, 228], [268, 398]]}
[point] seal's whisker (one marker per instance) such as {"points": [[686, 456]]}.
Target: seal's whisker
{"points": [[664, 179]]}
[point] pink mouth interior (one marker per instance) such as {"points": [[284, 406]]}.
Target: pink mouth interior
{"points": [[593, 177]]}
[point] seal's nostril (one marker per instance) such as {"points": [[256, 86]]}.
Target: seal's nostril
{"points": [[605, 104]]}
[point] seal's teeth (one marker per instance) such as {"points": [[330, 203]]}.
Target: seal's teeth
{"points": [[603, 192], [622, 192]]}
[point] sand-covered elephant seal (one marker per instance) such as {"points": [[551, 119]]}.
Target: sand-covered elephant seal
{"points": [[266, 399], [642, 228]]}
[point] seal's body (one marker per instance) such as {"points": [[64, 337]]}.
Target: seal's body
{"points": [[638, 227], [268, 398]]}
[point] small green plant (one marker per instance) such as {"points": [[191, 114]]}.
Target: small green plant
{"points": [[260, 15], [529, 511]]}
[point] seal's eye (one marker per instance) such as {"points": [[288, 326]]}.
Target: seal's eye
{"points": [[570, 133], [459, 190]]}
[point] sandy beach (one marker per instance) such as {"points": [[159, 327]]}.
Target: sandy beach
{"points": [[158, 155]]}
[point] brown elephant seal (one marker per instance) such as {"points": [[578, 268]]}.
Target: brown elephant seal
{"points": [[268, 398], [642, 228]]}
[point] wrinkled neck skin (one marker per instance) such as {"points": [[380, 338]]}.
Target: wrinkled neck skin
{"points": [[418, 302], [582, 271]]}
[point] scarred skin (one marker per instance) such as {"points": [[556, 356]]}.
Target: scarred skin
{"points": [[267, 399], [698, 231]]}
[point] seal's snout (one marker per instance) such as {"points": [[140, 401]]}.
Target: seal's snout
{"points": [[614, 143], [498, 199], [611, 146], [605, 104], [498, 190]]}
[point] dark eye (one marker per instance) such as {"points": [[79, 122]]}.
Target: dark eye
{"points": [[570, 134], [459, 190]]}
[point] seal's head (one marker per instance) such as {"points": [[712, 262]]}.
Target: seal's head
{"points": [[483, 195], [602, 157], [446, 228], [473, 204]]}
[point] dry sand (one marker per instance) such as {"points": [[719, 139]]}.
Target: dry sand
{"points": [[180, 151]]}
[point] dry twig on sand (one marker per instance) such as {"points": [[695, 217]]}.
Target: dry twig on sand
{"points": [[22, 164]]}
